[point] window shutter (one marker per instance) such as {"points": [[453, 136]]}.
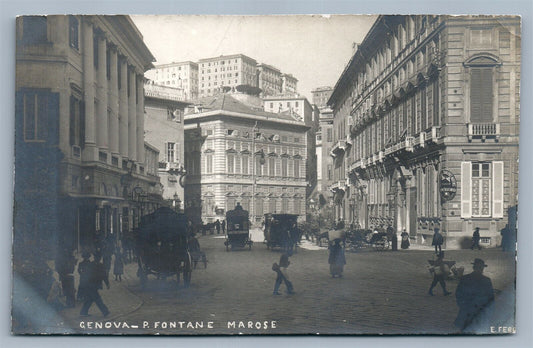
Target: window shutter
{"points": [[486, 85], [72, 121], [166, 151], [466, 189], [497, 191], [82, 124]]}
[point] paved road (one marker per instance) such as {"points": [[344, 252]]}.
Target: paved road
{"points": [[380, 293]]}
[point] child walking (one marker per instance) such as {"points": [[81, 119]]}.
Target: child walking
{"points": [[282, 275]]}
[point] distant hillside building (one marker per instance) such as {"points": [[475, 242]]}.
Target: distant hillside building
{"points": [[269, 79], [182, 75], [289, 84], [225, 73], [321, 96]]}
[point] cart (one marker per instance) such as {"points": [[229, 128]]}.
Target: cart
{"points": [[237, 229], [162, 246], [281, 230]]}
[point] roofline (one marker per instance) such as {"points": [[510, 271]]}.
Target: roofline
{"points": [[193, 118], [239, 55], [175, 64]]}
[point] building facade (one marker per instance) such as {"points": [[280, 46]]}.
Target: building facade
{"points": [[237, 153], [82, 167], [321, 96], [182, 75], [225, 73], [426, 120], [299, 107], [163, 129], [289, 84], [269, 79]]}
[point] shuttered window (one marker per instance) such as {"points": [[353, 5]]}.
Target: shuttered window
{"points": [[497, 192], [482, 189], [466, 189], [481, 95]]}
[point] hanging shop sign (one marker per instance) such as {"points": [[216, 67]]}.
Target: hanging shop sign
{"points": [[447, 185]]}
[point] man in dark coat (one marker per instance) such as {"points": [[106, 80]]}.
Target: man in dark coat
{"points": [[217, 226], [475, 239], [437, 241], [84, 269], [474, 296], [391, 235], [98, 274], [65, 264]]}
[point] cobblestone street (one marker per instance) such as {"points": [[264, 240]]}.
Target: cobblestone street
{"points": [[380, 293]]}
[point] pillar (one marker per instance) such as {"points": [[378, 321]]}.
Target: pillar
{"points": [[113, 97], [101, 81], [132, 115], [89, 151], [123, 107], [140, 119]]}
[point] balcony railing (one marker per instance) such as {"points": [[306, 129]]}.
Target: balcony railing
{"points": [[483, 130], [339, 185]]}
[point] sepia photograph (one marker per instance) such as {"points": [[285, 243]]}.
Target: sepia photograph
{"points": [[193, 175]]}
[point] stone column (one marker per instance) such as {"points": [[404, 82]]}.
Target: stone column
{"points": [[113, 103], [132, 115], [123, 108], [89, 152], [101, 81], [140, 118]]}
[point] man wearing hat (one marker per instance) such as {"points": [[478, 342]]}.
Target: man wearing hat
{"points": [[84, 269], [474, 296]]}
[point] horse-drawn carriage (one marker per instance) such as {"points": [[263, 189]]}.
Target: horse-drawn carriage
{"points": [[162, 246], [281, 230], [237, 229]]}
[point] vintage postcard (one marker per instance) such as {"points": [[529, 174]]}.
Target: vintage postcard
{"points": [[266, 175]]}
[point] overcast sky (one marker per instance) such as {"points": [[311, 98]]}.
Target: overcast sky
{"points": [[315, 49]]}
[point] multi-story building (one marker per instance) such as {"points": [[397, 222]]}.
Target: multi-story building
{"points": [[237, 153], [324, 143], [289, 84], [426, 118], [321, 96], [82, 166], [163, 128], [298, 106], [225, 73], [324, 140], [182, 75], [269, 79]]}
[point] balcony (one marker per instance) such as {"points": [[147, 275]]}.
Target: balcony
{"points": [[338, 148], [409, 143], [338, 186], [483, 131]]}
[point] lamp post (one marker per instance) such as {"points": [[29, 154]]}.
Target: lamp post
{"points": [[392, 211]]}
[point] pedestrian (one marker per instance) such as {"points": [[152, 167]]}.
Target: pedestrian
{"points": [[217, 226], [405, 239], [97, 276], [65, 264], [474, 296], [282, 275], [440, 271], [84, 269], [107, 252], [437, 241], [391, 234], [336, 259], [223, 226], [475, 239], [118, 266]]}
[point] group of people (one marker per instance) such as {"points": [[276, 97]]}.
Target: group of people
{"points": [[474, 293], [219, 225], [92, 275]]}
